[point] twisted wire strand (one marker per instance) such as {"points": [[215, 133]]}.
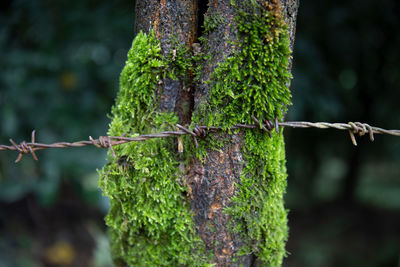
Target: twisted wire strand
{"points": [[354, 128]]}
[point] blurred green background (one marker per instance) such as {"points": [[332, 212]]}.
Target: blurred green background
{"points": [[60, 63]]}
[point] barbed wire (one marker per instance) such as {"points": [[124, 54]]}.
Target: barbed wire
{"points": [[354, 128]]}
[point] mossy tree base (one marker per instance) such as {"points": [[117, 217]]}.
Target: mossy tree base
{"points": [[220, 204]]}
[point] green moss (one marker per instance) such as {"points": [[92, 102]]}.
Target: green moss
{"points": [[150, 220], [179, 61], [254, 82], [212, 21], [258, 206]]}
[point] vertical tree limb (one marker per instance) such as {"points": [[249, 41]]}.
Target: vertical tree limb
{"points": [[235, 184], [214, 179]]}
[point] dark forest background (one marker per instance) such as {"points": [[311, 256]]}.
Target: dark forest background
{"points": [[60, 63]]}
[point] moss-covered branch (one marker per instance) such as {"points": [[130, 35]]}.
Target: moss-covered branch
{"points": [[222, 203], [150, 220], [252, 80]]}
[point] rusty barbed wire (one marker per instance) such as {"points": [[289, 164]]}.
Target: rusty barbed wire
{"points": [[354, 128]]}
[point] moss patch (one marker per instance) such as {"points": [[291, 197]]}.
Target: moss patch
{"points": [[258, 206], [254, 82], [150, 220], [212, 22]]}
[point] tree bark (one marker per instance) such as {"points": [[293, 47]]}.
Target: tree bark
{"points": [[173, 22], [212, 181]]}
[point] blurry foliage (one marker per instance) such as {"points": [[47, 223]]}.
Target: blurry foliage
{"points": [[346, 68], [60, 64]]}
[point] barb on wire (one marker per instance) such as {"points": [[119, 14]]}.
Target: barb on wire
{"points": [[24, 148], [354, 128]]}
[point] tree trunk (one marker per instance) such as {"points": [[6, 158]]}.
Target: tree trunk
{"points": [[219, 203], [174, 22]]}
